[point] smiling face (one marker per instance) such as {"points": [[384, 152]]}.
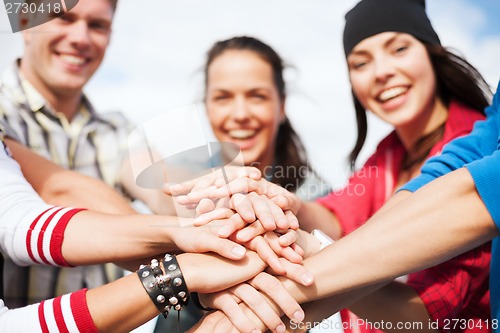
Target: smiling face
{"points": [[243, 104], [392, 76], [62, 55]]}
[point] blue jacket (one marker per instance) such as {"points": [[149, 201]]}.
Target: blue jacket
{"points": [[479, 152]]}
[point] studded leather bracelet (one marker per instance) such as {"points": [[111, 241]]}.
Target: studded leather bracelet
{"points": [[166, 288]]}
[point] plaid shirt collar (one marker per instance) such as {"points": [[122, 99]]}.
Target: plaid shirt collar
{"points": [[23, 92]]}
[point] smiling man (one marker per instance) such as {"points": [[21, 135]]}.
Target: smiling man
{"points": [[63, 54], [42, 106]]}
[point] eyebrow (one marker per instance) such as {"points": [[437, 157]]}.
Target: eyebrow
{"points": [[392, 39], [386, 44]]}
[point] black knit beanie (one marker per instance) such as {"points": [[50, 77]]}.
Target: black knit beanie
{"points": [[371, 17]]}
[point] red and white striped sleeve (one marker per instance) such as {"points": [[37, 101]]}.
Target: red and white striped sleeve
{"points": [[31, 232], [45, 235], [68, 313]]}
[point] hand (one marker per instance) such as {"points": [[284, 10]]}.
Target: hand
{"points": [[205, 239], [266, 308], [208, 181], [250, 207], [279, 265], [269, 246], [243, 185], [202, 272], [303, 239], [217, 322]]}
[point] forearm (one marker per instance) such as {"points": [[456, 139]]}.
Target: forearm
{"points": [[34, 232], [394, 303], [78, 190], [438, 222], [63, 187], [116, 238], [156, 200], [314, 216], [317, 311], [113, 313], [124, 304], [150, 194], [134, 307]]}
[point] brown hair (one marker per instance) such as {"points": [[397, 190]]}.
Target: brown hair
{"points": [[289, 152]]}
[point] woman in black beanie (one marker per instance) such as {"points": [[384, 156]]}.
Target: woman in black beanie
{"points": [[399, 70]]}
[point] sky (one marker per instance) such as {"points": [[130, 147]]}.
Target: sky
{"points": [[154, 62]]}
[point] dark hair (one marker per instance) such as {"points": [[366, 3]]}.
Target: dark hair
{"points": [[456, 80], [289, 151]]}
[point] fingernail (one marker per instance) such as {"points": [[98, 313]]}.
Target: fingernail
{"points": [[298, 316], [256, 331], [239, 251], [280, 328], [307, 279]]}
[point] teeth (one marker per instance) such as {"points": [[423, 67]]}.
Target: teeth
{"points": [[241, 133], [391, 93], [72, 60]]}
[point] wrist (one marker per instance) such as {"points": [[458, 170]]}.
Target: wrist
{"points": [[294, 289], [298, 205], [323, 239], [189, 272], [165, 284], [221, 273], [200, 301], [165, 234]]}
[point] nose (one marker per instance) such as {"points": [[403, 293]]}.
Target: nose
{"points": [[383, 69], [78, 34], [241, 111]]}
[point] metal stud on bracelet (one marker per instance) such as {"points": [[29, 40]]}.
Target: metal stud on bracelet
{"points": [[148, 280], [162, 286], [178, 287]]}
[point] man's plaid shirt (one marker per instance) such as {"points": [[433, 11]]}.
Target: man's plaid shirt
{"points": [[91, 143]]}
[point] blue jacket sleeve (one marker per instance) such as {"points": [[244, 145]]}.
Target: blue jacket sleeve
{"points": [[486, 175], [481, 142]]}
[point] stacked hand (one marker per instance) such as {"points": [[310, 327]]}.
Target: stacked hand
{"points": [[244, 208]]}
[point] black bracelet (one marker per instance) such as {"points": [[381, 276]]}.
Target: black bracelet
{"points": [[166, 289], [196, 301], [149, 283], [177, 288]]}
